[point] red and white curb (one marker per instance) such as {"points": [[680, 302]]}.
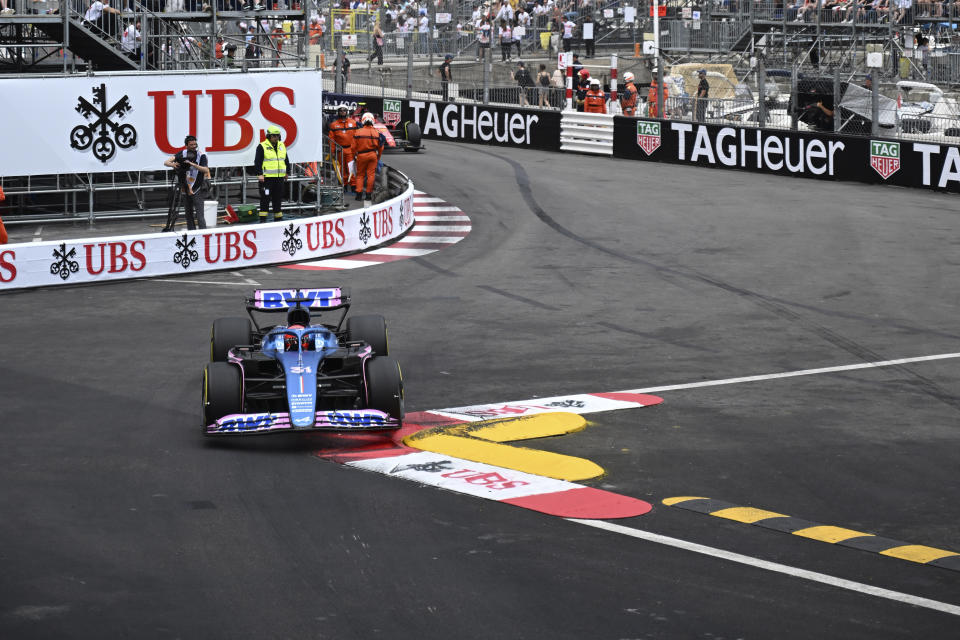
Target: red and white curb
{"points": [[509, 486], [437, 224]]}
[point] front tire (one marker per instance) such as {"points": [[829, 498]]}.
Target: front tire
{"points": [[371, 329], [385, 386], [222, 392], [226, 334]]}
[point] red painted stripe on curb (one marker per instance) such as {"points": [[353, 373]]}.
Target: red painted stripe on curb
{"points": [[640, 398], [583, 502]]}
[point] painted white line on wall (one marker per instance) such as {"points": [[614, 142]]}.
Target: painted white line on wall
{"points": [[766, 565]]}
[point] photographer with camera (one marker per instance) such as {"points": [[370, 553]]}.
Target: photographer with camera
{"points": [[190, 168]]}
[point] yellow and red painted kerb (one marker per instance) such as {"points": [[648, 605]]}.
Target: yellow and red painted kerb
{"points": [[918, 553]]}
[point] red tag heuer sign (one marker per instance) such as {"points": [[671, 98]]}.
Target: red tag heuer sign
{"points": [[885, 157], [648, 136], [391, 112]]}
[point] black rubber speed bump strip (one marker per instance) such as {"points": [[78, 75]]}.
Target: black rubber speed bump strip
{"points": [[918, 553]]}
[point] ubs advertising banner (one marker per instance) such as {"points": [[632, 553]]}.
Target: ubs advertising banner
{"points": [[108, 123], [484, 124], [44, 264], [813, 155]]}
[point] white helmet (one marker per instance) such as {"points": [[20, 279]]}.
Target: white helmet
{"points": [[367, 117], [628, 76]]}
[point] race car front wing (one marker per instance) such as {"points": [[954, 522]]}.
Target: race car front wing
{"points": [[357, 420]]}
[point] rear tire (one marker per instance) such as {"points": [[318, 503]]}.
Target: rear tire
{"points": [[371, 329], [226, 334], [413, 136], [385, 386], [222, 392]]}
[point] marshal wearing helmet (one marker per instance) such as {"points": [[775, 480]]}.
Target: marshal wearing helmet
{"points": [[271, 166]]}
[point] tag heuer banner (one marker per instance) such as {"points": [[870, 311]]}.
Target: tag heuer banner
{"points": [[909, 163], [108, 123]]}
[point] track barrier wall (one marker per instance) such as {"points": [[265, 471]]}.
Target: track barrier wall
{"points": [[43, 264], [903, 163], [906, 163]]}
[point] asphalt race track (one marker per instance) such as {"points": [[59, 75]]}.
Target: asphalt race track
{"points": [[580, 275]]}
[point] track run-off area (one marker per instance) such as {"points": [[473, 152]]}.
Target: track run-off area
{"points": [[643, 402]]}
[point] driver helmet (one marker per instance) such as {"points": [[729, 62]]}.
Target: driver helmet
{"points": [[367, 118], [298, 316]]}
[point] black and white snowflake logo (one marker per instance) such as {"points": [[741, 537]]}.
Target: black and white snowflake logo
{"points": [[365, 232], [98, 132], [63, 262], [291, 243], [186, 255]]}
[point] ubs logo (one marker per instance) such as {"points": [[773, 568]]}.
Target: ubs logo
{"points": [[98, 132]]}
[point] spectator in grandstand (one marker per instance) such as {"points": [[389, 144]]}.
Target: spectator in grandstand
{"points": [[558, 82], [251, 53], [629, 96], [483, 38], [96, 16], [543, 87], [568, 29], [445, 76], [577, 65], [271, 164], [345, 69], [424, 32], [518, 33], [522, 77], [377, 47], [5, 10], [588, 36], [192, 173], [904, 11], [703, 95], [131, 40], [505, 34]]}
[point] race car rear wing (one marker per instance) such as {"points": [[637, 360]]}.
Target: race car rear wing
{"points": [[316, 301]]}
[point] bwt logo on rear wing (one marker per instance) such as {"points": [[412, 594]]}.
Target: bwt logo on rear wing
{"points": [[283, 299]]}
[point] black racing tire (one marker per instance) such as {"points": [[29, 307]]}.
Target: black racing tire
{"points": [[226, 334], [384, 383], [222, 392], [371, 329], [413, 135]]}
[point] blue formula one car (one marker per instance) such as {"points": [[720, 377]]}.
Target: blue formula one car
{"points": [[305, 375]]}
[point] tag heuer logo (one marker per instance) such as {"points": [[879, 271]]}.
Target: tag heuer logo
{"points": [[648, 136], [391, 112], [885, 157]]}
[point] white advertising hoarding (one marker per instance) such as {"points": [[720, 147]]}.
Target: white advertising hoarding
{"points": [[107, 123], [42, 264]]}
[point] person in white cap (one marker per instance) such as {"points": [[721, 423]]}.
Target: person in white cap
{"points": [[628, 99]]}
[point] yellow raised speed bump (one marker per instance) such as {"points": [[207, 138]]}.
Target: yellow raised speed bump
{"points": [[917, 553], [679, 499], [542, 425], [829, 534], [748, 515]]}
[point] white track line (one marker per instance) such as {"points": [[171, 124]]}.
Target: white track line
{"points": [[399, 251], [421, 239], [793, 374], [440, 227], [421, 218], [773, 566]]}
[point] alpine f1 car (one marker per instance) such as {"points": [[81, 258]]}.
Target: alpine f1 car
{"points": [[304, 375]]}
